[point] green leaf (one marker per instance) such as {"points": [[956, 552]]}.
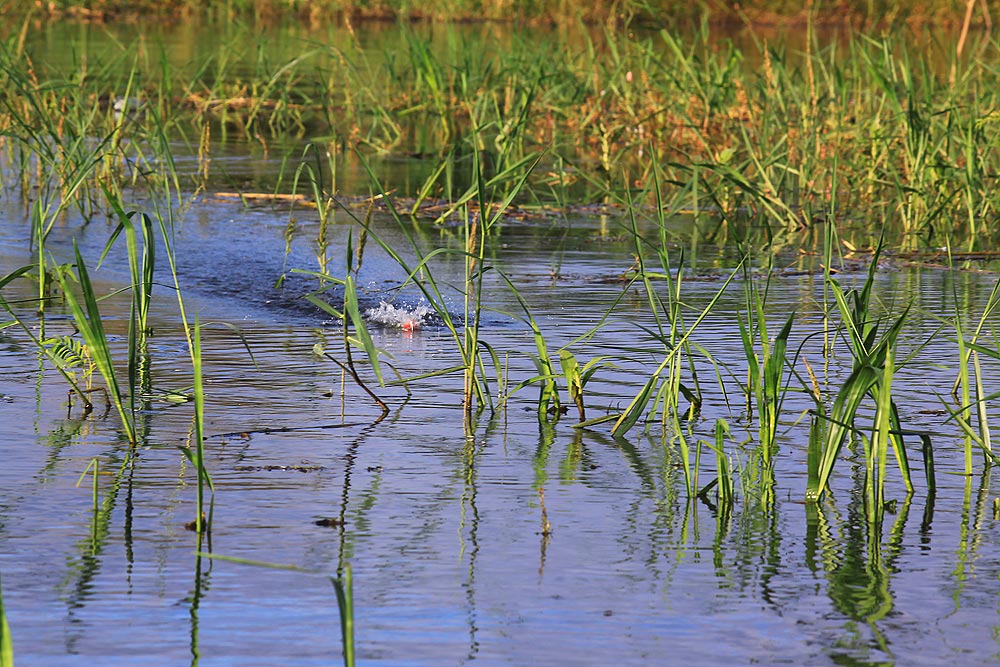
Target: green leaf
{"points": [[353, 311]]}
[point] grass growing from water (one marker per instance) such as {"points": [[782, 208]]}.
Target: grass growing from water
{"points": [[649, 127], [766, 373], [87, 316], [872, 374], [768, 143]]}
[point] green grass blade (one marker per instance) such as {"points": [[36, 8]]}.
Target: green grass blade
{"points": [[6, 642], [353, 311], [344, 586], [88, 321], [845, 406]]}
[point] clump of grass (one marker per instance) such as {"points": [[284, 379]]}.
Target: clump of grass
{"points": [[871, 376], [765, 371]]}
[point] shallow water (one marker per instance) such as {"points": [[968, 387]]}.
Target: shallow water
{"points": [[441, 520], [440, 517]]}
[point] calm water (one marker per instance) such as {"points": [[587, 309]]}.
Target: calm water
{"points": [[440, 518]]}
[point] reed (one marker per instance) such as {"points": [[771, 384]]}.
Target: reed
{"points": [[196, 455], [664, 388], [142, 268], [724, 475], [774, 148], [344, 587], [766, 370], [548, 405], [871, 376], [87, 316], [968, 385]]}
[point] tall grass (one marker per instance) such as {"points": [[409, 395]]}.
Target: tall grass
{"points": [[765, 373], [871, 376], [87, 316], [853, 12], [769, 144]]}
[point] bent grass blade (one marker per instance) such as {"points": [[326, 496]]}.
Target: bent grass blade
{"points": [[91, 327], [637, 407]]}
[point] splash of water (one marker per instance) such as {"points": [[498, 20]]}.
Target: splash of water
{"points": [[405, 318]]}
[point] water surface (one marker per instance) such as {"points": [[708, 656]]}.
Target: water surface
{"points": [[439, 514]]}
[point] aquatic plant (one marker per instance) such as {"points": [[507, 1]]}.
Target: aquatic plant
{"points": [[6, 641], [774, 149], [577, 377], [765, 370], [66, 353], [344, 586], [664, 388], [966, 385], [873, 369], [142, 269], [196, 455], [723, 467], [350, 313], [854, 12], [87, 316]]}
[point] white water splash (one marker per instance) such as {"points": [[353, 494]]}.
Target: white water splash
{"points": [[407, 319]]}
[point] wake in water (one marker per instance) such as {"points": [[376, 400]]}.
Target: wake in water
{"points": [[405, 318]]}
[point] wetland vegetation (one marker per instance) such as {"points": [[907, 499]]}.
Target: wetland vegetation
{"points": [[612, 333]]}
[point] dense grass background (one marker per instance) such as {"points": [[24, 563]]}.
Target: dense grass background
{"points": [[858, 12]]}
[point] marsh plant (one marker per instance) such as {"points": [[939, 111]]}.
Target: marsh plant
{"points": [[871, 377], [766, 360]]}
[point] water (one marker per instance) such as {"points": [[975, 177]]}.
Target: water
{"points": [[404, 318], [441, 518], [442, 524]]}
